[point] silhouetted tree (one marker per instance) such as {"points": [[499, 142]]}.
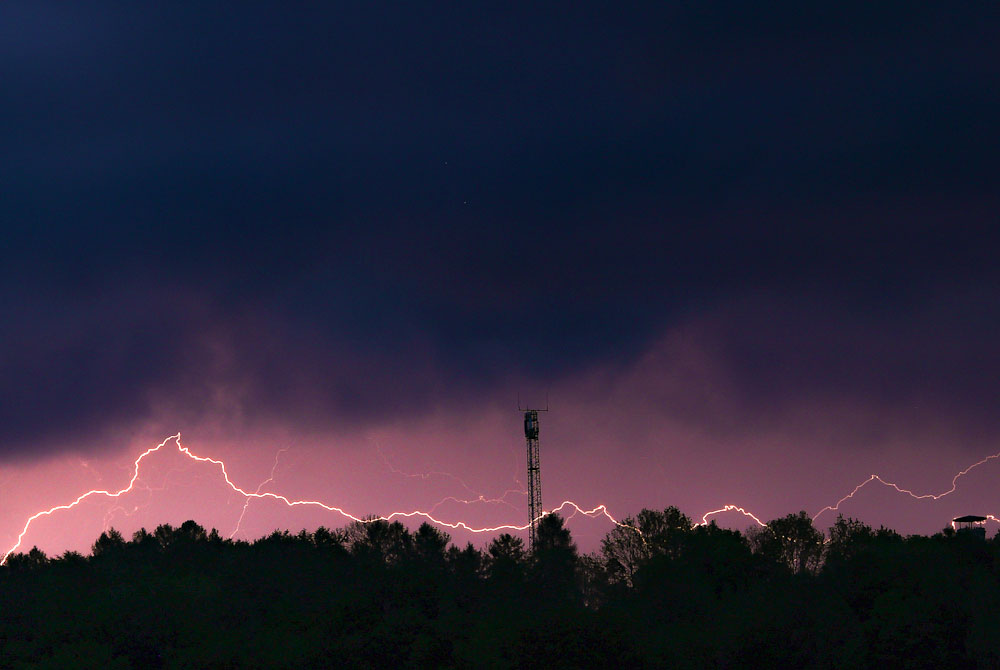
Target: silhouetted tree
{"points": [[376, 595], [72, 558], [33, 560], [505, 561], [466, 562], [110, 543], [332, 542], [593, 580], [850, 539], [191, 532], [164, 534], [466, 567], [636, 540], [554, 559], [379, 540], [430, 546], [791, 540]]}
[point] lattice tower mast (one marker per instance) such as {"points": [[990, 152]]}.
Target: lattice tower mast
{"points": [[534, 474]]}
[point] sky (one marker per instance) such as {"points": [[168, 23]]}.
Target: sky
{"points": [[746, 255]]}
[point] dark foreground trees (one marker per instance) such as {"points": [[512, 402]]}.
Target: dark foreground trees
{"points": [[662, 592]]}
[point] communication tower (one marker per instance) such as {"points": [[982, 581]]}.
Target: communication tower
{"points": [[534, 470]]}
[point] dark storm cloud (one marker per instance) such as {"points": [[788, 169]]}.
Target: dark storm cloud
{"points": [[329, 211], [828, 371]]}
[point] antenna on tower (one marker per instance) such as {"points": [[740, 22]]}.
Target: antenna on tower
{"points": [[534, 468]]}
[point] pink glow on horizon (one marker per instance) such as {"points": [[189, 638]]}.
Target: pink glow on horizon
{"points": [[599, 510], [666, 429], [454, 525]]}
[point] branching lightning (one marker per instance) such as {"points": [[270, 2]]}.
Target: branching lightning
{"points": [[478, 497], [873, 478], [501, 500], [915, 496], [246, 503], [599, 510]]}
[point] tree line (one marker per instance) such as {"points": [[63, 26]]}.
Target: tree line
{"points": [[660, 593]]}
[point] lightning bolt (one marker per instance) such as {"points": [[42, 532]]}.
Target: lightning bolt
{"points": [[729, 508], [873, 478], [246, 503], [420, 475], [141, 485], [915, 496], [599, 510], [502, 500], [81, 498], [478, 497]]}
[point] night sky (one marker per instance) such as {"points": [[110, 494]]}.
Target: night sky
{"points": [[747, 254]]}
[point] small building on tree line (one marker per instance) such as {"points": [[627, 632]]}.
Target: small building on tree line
{"points": [[970, 525]]}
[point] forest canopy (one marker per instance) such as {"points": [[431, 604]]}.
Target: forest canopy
{"points": [[660, 592]]}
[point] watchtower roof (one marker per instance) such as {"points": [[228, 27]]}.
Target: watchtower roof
{"points": [[969, 519]]}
